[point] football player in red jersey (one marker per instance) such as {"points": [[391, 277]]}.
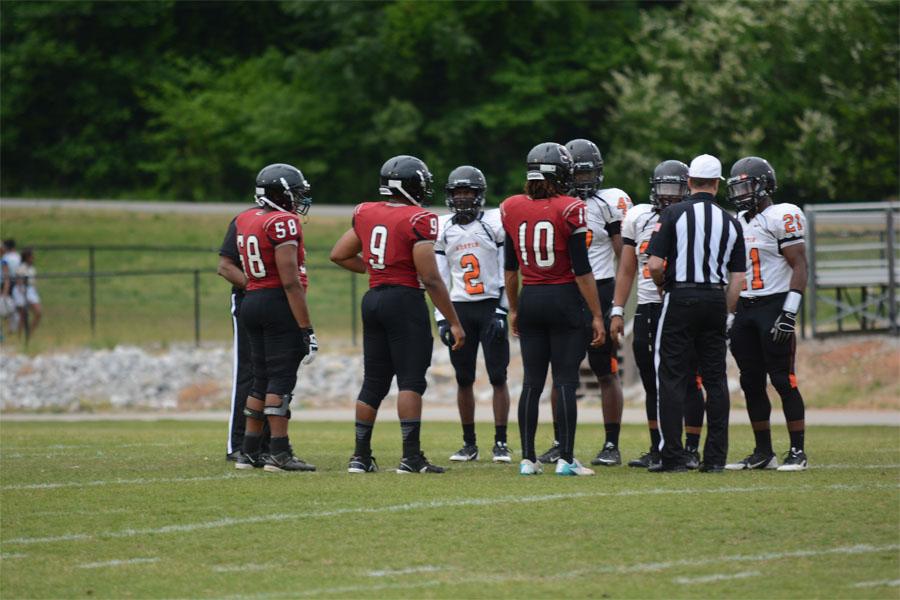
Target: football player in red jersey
{"points": [[396, 238], [274, 312], [547, 229]]}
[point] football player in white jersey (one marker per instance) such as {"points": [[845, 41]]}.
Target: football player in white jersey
{"points": [[605, 210], [762, 335], [667, 186], [469, 252]]}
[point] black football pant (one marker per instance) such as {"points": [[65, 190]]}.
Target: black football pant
{"points": [[646, 319], [276, 343], [758, 355], [476, 319], [692, 323], [551, 323], [242, 379]]}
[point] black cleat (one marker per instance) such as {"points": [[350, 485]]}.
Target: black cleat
{"points": [[660, 468], [284, 462], [249, 461], [418, 464], [467, 453], [501, 453], [757, 460], [362, 464], [551, 456], [794, 460], [233, 456], [711, 468], [646, 460], [691, 457], [609, 456]]}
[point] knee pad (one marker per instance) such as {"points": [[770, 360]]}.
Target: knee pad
{"points": [[601, 363], [281, 410], [412, 384], [497, 378], [254, 414], [783, 383], [258, 395], [465, 381]]}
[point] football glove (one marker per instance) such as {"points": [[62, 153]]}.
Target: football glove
{"points": [[498, 328], [729, 321], [444, 332], [784, 327], [312, 345]]}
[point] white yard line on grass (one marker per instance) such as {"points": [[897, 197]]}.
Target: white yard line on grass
{"points": [[118, 563], [245, 567], [858, 549], [407, 571], [96, 446], [851, 466], [8, 555], [461, 502], [101, 482], [879, 583], [714, 578]]}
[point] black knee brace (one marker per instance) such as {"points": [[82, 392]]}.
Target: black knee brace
{"points": [[254, 414]]}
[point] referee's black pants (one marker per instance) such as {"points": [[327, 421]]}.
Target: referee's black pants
{"points": [[692, 322], [241, 380]]}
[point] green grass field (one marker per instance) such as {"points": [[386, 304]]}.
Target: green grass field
{"points": [[141, 510]]}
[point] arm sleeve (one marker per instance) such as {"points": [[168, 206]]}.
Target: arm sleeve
{"points": [[578, 253], [510, 260], [229, 247], [663, 236], [613, 228], [737, 263]]}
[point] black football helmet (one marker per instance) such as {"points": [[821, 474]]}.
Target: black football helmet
{"points": [[466, 209], [283, 187], [408, 178], [551, 162], [588, 173], [669, 183], [752, 179]]}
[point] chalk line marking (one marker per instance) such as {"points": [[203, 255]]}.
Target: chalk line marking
{"points": [[118, 563], [878, 583], [102, 482], [8, 555], [716, 577], [398, 508], [407, 571]]}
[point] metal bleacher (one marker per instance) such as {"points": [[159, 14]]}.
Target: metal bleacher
{"points": [[853, 267]]}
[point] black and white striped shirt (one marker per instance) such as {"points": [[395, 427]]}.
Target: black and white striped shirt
{"points": [[700, 242]]}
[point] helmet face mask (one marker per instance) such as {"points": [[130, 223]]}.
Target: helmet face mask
{"points": [[283, 187], [552, 162], [408, 178], [669, 183], [466, 187], [588, 167], [752, 181]]}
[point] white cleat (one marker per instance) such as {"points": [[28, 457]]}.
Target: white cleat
{"points": [[526, 467], [573, 468]]}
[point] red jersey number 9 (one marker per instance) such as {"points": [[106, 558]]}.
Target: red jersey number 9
{"points": [[378, 246]]}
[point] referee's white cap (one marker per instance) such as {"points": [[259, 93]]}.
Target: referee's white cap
{"points": [[706, 166]]}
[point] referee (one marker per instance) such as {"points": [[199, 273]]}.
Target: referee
{"points": [[696, 253]]}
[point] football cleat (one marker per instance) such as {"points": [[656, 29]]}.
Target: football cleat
{"points": [[573, 468], [757, 460], [466, 453], [501, 453], [711, 468], [249, 461], [609, 456], [646, 460], [233, 456], [417, 464], [285, 462], [794, 460], [526, 467], [691, 457], [362, 464], [550, 456]]}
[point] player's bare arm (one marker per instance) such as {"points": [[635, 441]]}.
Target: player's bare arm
{"points": [[511, 283], [733, 292], [588, 288], [624, 280], [657, 268], [232, 272], [426, 267], [346, 251], [616, 240], [795, 256], [288, 273]]}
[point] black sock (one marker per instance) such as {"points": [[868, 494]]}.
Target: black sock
{"points": [[555, 431], [528, 419], [363, 438], [410, 430], [797, 439], [279, 445], [567, 416], [469, 434], [654, 440], [500, 434], [251, 443], [612, 433], [692, 440], [763, 440]]}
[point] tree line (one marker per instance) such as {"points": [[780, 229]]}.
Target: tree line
{"points": [[188, 100]]}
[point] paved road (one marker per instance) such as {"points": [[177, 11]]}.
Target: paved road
{"points": [[204, 208], [631, 416]]}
